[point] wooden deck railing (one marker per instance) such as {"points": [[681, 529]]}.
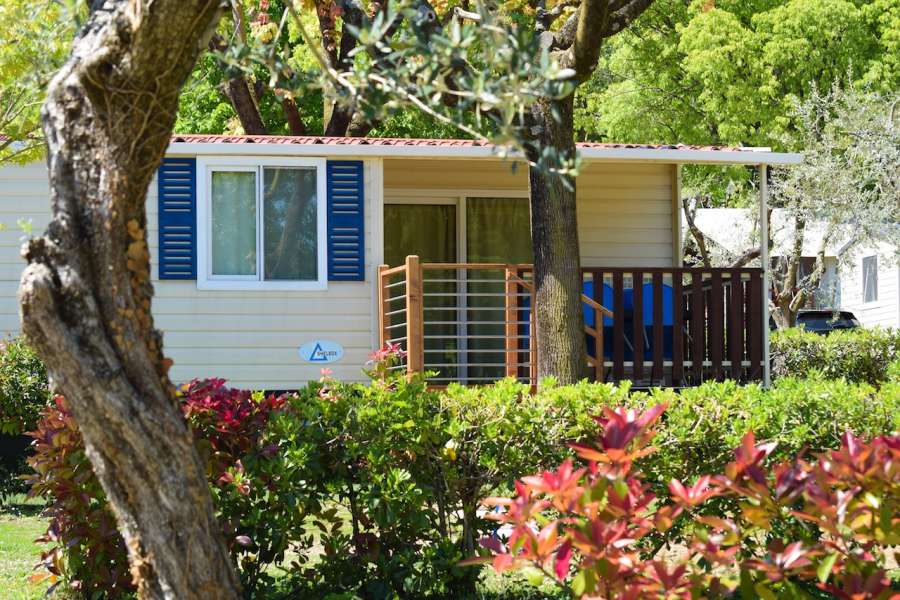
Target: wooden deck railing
{"points": [[473, 323]]}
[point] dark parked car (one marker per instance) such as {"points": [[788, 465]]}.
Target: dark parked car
{"points": [[824, 322]]}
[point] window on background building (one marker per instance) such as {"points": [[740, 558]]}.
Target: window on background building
{"points": [[870, 278]]}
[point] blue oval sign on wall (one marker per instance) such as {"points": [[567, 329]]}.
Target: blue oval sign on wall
{"points": [[321, 351]]}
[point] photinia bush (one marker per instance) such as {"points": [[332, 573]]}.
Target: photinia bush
{"points": [[373, 491], [588, 527], [87, 552], [257, 491]]}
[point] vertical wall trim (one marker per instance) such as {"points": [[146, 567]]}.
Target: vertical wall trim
{"points": [[374, 173], [677, 241], [764, 262]]}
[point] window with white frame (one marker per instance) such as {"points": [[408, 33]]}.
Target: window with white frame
{"points": [[261, 223], [870, 278]]}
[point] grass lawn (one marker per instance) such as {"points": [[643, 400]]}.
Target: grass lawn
{"points": [[19, 526]]}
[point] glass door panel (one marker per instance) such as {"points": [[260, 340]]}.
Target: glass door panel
{"points": [[429, 231], [498, 230]]}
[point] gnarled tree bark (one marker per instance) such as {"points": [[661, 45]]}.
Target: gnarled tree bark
{"points": [[554, 237], [85, 294], [559, 319]]}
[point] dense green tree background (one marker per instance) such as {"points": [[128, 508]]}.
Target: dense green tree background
{"points": [[733, 72], [35, 36], [691, 71]]}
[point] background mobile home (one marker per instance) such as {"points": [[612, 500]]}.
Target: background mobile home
{"points": [[863, 281]]}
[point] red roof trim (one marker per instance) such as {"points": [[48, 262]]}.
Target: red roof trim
{"points": [[408, 142]]}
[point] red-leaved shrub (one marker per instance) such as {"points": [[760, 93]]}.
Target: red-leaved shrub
{"points": [[87, 551], [588, 527]]}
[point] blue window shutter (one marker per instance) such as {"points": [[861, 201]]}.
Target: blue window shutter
{"points": [[346, 227], [178, 218]]}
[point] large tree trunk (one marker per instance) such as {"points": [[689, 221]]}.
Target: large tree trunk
{"points": [[559, 318], [85, 295]]}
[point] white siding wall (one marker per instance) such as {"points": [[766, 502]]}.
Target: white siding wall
{"points": [[250, 338], [885, 312], [625, 215], [625, 211]]}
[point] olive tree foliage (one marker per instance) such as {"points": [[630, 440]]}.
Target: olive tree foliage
{"points": [[848, 187], [504, 73], [844, 197], [230, 92], [85, 296], [34, 39]]}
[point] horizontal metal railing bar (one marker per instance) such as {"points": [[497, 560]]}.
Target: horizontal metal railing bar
{"points": [[395, 298], [493, 281], [476, 365], [399, 339], [475, 266], [477, 323], [468, 350], [476, 337], [396, 326], [470, 308], [458, 379], [396, 284], [395, 312], [473, 294]]}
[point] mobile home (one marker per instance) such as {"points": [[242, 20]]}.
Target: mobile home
{"points": [[275, 257]]}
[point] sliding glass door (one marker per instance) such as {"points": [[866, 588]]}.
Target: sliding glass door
{"points": [[464, 309], [430, 232], [497, 231]]}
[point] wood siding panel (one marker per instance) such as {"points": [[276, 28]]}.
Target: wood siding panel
{"points": [[625, 215], [251, 338]]}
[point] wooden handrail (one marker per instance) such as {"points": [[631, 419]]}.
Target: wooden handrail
{"points": [[475, 266], [600, 311], [392, 270], [596, 305], [586, 299]]}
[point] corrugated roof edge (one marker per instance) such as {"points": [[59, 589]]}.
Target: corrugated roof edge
{"points": [[444, 148]]}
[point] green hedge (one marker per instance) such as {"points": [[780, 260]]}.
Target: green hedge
{"points": [[863, 355], [387, 478], [24, 392]]}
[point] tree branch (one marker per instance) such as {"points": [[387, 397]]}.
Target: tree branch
{"points": [[689, 214], [623, 17], [588, 36], [240, 96], [292, 114]]}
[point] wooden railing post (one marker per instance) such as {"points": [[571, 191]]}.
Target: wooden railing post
{"points": [[599, 362], [511, 316], [415, 316], [532, 343], [384, 319]]}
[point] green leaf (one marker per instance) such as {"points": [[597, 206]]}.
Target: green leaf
{"points": [[824, 569]]}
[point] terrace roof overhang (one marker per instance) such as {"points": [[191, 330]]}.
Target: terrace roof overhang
{"points": [[467, 149]]}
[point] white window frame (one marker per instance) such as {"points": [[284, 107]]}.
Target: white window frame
{"points": [[205, 279], [874, 258]]}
